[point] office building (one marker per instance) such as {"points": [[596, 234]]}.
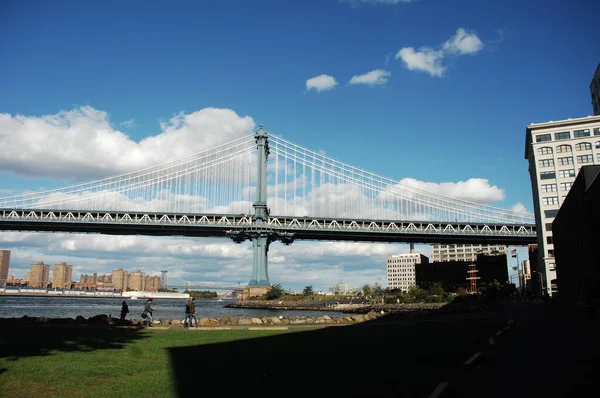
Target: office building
{"points": [[492, 267], [119, 279], [595, 91], [576, 232], [4, 264], [62, 276], [463, 252], [401, 270], [38, 275], [452, 275], [556, 150]]}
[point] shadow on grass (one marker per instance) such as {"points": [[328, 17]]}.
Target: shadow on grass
{"points": [[20, 338], [372, 359]]}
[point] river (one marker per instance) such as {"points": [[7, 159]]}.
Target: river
{"points": [[71, 307]]}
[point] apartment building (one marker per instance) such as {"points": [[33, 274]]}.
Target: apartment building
{"points": [[62, 276], [38, 275], [119, 279], [463, 252], [137, 281], [4, 264], [556, 150], [401, 270]]}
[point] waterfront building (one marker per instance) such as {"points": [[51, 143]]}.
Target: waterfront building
{"points": [[62, 276], [152, 283], [38, 275], [576, 232], [556, 150], [4, 264], [137, 281], [401, 270], [463, 252], [119, 279], [595, 91]]}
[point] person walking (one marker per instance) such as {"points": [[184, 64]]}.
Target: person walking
{"points": [[188, 315], [148, 309], [193, 312], [124, 311]]}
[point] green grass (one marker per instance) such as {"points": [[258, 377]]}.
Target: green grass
{"points": [[97, 362]]}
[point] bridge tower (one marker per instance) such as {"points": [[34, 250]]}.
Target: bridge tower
{"points": [[259, 233]]}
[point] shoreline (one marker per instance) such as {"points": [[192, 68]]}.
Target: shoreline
{"points": [[344, 308]]}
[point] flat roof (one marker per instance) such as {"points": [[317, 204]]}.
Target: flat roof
{"points": [[555, 123]]}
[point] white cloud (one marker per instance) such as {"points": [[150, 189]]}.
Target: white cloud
{"points": [[463, 43], [474, 189], [519, 208], [429, 60], [426, 59], [81, 143], [377, 77], [128, 123], [321, 83]]}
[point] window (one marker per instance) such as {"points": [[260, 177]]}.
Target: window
{"points": [[547, 175], [543, 137], [565, 161], [544, 150], [566, 173], [597, 144], [565, 135], [565, 186], [549, 240], [549, 188], [550, 213], [581, 133], [583, 146], [550, 200], [597, 131], [585, 159], [564, 148], [551, 253], [547, 163], [548, 226]]}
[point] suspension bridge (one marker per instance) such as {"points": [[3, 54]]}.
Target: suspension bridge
{"points": [[235, 191]]}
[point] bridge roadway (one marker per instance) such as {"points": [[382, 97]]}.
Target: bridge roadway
{"points": [[301, 228]]}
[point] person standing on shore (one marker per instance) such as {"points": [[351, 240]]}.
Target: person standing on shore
{"points": [[193, 312], [148, 311], [124, 311], [188, 315]]}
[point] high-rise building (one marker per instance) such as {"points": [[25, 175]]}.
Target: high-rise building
{"points": [[62, 276], [119, 279], [137, 281], [595, 91], [401, 270], [39, 274], [4, 263], [152, 283], [556, 150], [463, 252]]}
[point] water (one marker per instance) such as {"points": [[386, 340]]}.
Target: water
{"points": [[71, 307]]}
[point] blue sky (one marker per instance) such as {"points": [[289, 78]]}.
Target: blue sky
{"points": [[458, 82]]}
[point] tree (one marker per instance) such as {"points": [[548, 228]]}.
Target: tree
{"points": [[308, 291], [275, 292], [367, 290]]}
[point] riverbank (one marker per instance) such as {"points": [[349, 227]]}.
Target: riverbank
{"points": [[130, 295], [335, 307]]}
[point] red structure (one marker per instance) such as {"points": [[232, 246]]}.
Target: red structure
{"points": [[472, 277]]}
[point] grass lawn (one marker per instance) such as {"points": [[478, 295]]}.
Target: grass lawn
{"points": [[50, 361], [388, 357]]}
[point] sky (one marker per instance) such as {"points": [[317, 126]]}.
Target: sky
{"points": [[436, 91]]}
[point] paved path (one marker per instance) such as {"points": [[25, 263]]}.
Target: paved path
{"points": [[548, 351]]}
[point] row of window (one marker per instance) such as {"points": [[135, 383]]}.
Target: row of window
{"points": [[564, 186], [567, 160], [565, 135], [548, 175], [550, 200], [582, 146]]}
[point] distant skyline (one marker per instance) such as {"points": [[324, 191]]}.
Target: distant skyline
{"points": [[436, 94]]}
